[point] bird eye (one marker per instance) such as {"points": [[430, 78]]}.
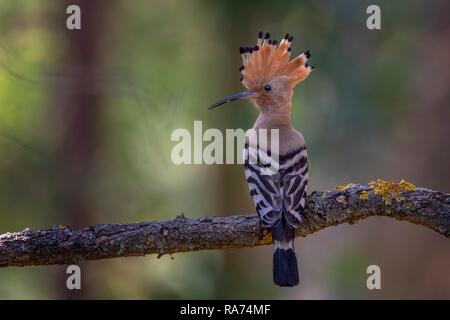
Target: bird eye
{"points": [[267, 87]]}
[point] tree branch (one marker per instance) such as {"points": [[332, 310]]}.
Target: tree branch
{"points": [[345, 204]]}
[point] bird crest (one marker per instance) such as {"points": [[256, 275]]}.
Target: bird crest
{"points": [[269, 61]]}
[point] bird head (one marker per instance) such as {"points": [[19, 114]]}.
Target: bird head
{"points": [[268, 73]]}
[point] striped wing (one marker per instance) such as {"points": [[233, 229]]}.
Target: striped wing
{"points": [[284, 191], [265, 192], [295, 181]]}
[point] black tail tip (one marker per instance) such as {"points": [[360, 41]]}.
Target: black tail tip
{"points": [[285, 268]]}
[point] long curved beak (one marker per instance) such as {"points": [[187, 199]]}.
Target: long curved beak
{"points": [[233, 97]]}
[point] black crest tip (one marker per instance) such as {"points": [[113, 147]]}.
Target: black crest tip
{"points": [[291, 38], [256, 48], [241, 50], [267, 36], [274, 42], [308, 54], [286, 36], [289, 49], [260, 35]]}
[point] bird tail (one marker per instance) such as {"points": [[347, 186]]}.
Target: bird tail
{"points": [[285, 267]]}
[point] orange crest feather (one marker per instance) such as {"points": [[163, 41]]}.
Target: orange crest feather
{"points": [[268, 61]]}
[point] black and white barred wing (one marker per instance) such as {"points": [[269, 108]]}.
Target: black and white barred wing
{"points": [[265, 191], [294, 168], [282, 193]]}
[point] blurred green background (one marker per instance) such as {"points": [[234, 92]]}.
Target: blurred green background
{"points": [[86, 118]]}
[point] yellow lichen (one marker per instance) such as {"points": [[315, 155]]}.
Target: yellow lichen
{"points": [[267, 238], [409, 206], [344, 187], [390, 191], [364, 195], [406, 186]]}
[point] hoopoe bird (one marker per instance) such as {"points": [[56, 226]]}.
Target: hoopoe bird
{"points": [[270, 77]]}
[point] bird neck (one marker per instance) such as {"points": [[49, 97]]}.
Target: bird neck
{"points": [[274, 117]]}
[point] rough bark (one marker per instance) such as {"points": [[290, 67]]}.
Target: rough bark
{"points": [[347, 204]]}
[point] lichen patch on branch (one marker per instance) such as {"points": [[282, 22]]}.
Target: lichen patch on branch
{"points": [[344, 187], [390, 191], [364, 195]]}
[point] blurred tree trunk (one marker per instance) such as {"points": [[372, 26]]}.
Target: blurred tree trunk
{"points": [[77, 107]]}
